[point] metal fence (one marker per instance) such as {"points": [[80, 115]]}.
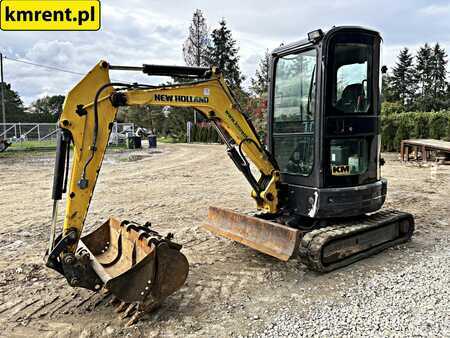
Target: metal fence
{"points": [[120, 132], [18, 132]]}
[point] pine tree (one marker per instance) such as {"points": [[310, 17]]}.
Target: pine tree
{"points": [[195, 48], [387, 93], [424, 74], [223, 53], [256, 105], [195, 52], [402, 82], [439, 77], [447, 102], [260, 83]]}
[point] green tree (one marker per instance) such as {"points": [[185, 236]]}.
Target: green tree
{"points": [[176, 123], [402, 82], [387, 94], [150, 117], [447, 98], [424, 73], [14, 109], [439, 77], [256, 106], [46, 109], [223, 53], [260, 83], [195, 48]]}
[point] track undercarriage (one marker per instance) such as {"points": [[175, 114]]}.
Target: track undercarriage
{"points": [[344, 242], [327, 247]]}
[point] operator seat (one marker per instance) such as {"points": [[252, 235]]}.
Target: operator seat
{"points": [[352, 98]]}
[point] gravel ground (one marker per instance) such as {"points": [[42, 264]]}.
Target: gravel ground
{"points": [[231, 290], [383, 304]]}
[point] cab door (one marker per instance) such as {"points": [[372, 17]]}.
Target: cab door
{"points": [[293, 115]]}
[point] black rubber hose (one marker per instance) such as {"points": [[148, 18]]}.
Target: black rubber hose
{"points": [[62, 146], [94, 140]]}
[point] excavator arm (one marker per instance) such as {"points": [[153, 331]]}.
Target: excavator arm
{"points": [[89, 111], [91, 108]]}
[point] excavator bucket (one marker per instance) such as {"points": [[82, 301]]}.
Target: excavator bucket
{"points": [[268, 237], [135, 263]]}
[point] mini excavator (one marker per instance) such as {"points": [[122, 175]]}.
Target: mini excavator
{"points": [[318, 193]]}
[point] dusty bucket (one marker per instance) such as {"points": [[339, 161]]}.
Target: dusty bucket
{"points": [[135, 262]]}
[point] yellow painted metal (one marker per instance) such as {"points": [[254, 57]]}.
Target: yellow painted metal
{"points": [[82, 130], [212, 98]]}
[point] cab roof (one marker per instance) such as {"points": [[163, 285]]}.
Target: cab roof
{"points": [[285, 49]]}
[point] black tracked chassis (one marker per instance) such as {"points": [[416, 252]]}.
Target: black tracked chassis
{"points": [[346, 242]]}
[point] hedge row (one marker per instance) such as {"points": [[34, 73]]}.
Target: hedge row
{"points": [[397, 127], [394, 128], [205, 134]]}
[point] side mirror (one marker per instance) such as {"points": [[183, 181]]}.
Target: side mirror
{"points": [[384, 69]]}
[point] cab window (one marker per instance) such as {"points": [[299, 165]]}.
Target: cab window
{"points": [[351, 78], [293, 115]]}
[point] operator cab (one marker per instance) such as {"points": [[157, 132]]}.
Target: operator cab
{"points": [[324, 113]]}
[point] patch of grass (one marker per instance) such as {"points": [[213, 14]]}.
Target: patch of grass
{"points": [[28, 148], [33, 146], [41, 147]]}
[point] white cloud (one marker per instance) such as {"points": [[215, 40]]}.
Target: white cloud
{"points": [[435, 9], [138, 31]]}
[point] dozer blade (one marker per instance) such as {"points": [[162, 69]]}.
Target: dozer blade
{"points": [[135, 263], [268, 237]]}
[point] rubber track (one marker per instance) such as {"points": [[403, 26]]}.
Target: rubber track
{"points": [[312, 243]]}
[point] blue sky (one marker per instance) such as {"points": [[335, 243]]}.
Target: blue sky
{"points": [[137, 31]]}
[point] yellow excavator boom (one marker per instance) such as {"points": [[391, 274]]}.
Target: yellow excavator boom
{"points": [[90, 138], [134, 262]]}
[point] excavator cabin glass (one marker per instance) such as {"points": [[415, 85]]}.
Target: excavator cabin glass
{"points": [[294, 99], [349, 110], [324, 122]]}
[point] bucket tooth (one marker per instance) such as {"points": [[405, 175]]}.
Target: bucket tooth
{"points": [[129, 310], [271, 238], [122, 306], [142, 310]]}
